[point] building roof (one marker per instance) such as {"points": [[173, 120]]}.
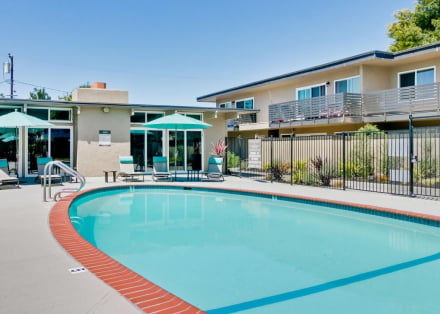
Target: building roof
{"points": [[62, 103], [375, 54]]}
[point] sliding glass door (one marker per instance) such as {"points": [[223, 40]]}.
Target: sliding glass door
{"points": [[189, 150], [144, 145], [47, 142], [9, 139], [176, 141]]}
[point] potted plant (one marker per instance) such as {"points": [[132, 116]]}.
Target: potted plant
{"points": [[219, 148]]}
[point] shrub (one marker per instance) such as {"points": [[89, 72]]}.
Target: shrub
{"points": [[233, 160], [278, 170], [324, 171], [299, 174]]}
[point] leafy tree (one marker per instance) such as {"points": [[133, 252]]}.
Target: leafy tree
{"points": [[416, 27], [39, 93], [85, 85], [2, 95], [68, 97]]}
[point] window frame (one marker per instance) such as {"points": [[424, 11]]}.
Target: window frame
{"points": [[145, 115], [310, 87], [347, 78], [224, 103], [433, 67], [244, 99], [49, 109]]}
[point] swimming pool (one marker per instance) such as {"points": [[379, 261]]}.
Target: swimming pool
{"points": [[226, 251]]}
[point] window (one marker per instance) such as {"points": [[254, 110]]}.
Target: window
{"points": [[310, 92], [196, 116], [247, 103], [60, 114], [417, 77], [51, 114], [348, 85], [5, 110], [39, 113], [227, 104], [137, 117], [141, 117], [153, 116]]}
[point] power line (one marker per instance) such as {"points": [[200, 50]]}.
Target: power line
{"points": [[40, 86]]}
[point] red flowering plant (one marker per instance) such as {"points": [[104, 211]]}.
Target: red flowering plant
{"points": [[219, 148]]}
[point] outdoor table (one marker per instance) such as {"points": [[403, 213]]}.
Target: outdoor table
{"points": [[106, 172]]}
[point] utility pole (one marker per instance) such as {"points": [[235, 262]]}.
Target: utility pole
{"points": [[8, 68], [11, 58]]}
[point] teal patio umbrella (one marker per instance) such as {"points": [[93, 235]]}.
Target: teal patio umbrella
{"points": [[176, 122], [18, 120]]}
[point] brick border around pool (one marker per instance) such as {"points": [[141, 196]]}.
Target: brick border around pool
{"points": [[147, 296]]}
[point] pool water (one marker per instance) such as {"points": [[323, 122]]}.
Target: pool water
{"points": [[227, 252]]}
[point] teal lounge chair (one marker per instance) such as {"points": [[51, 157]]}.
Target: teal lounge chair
{"points": [[215, 169], [126, 168], [5, 177], [160, 168]]}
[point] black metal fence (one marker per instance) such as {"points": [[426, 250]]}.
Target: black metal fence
{"points": [[397, 162]]}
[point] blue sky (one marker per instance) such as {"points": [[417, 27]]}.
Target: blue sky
{"points": [[170, 52]]}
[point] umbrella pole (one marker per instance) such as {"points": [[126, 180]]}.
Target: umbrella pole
{"points": [[175, 156], [16, 151]]}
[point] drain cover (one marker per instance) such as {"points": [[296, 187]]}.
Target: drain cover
{"points": [[77, 270]]}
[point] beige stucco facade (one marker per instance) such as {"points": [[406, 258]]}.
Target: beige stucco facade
{"points": [[375, 74]]}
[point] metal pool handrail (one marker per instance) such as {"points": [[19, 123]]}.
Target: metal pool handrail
{"points": [[47, 177]]}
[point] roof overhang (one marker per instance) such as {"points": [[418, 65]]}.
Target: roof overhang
{"points": [[363, 57], [70, 104]]}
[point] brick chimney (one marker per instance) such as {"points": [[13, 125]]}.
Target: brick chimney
{"points": [[101, 85]]}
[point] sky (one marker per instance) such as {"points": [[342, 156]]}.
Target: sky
{"points": [[170, 52]]}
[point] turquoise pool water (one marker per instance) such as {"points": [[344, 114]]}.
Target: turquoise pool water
{"points": [[227, 252]]}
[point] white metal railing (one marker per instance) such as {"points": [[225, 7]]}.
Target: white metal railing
{"points": [[47, 179], [323, 107], [405, 100]]}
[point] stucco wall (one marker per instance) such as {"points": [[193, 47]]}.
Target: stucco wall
{"points": [[100, 95], [92, 159], [286, 91]]}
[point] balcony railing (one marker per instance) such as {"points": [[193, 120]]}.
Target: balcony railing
{"points": [[324, 107], [398, 101], [405, 100], [233, 124]]}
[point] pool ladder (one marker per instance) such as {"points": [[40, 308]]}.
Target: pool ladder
{"points": [[47, 178]]}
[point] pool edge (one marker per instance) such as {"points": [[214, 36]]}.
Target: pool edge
{"points": [[142, 293]]}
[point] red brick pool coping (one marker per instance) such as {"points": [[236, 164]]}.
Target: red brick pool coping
{"points": [[144, 294]]}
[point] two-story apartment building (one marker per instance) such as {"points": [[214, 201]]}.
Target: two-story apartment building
{"points": [[377, 87]]}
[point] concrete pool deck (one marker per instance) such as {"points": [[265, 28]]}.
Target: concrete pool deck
{"points": [[34, 267]]}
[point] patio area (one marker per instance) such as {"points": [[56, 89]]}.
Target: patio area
{"points": [[35, 268]]}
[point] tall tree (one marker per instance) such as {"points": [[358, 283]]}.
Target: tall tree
{"points": [[416, 27], [39, 93]]}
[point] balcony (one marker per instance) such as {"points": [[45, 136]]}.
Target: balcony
{"points": [[246, 122], [338, 108], [387, 105]]}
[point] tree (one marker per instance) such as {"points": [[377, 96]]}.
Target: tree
{"points": [[2, 95], [39, 93], [68, 97], [416, 27]]}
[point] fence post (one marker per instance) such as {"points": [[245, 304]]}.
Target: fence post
{"points": [[239, 154], [411, 156], [226, 156], [344, 135], [291, 159], [271, 158]]}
